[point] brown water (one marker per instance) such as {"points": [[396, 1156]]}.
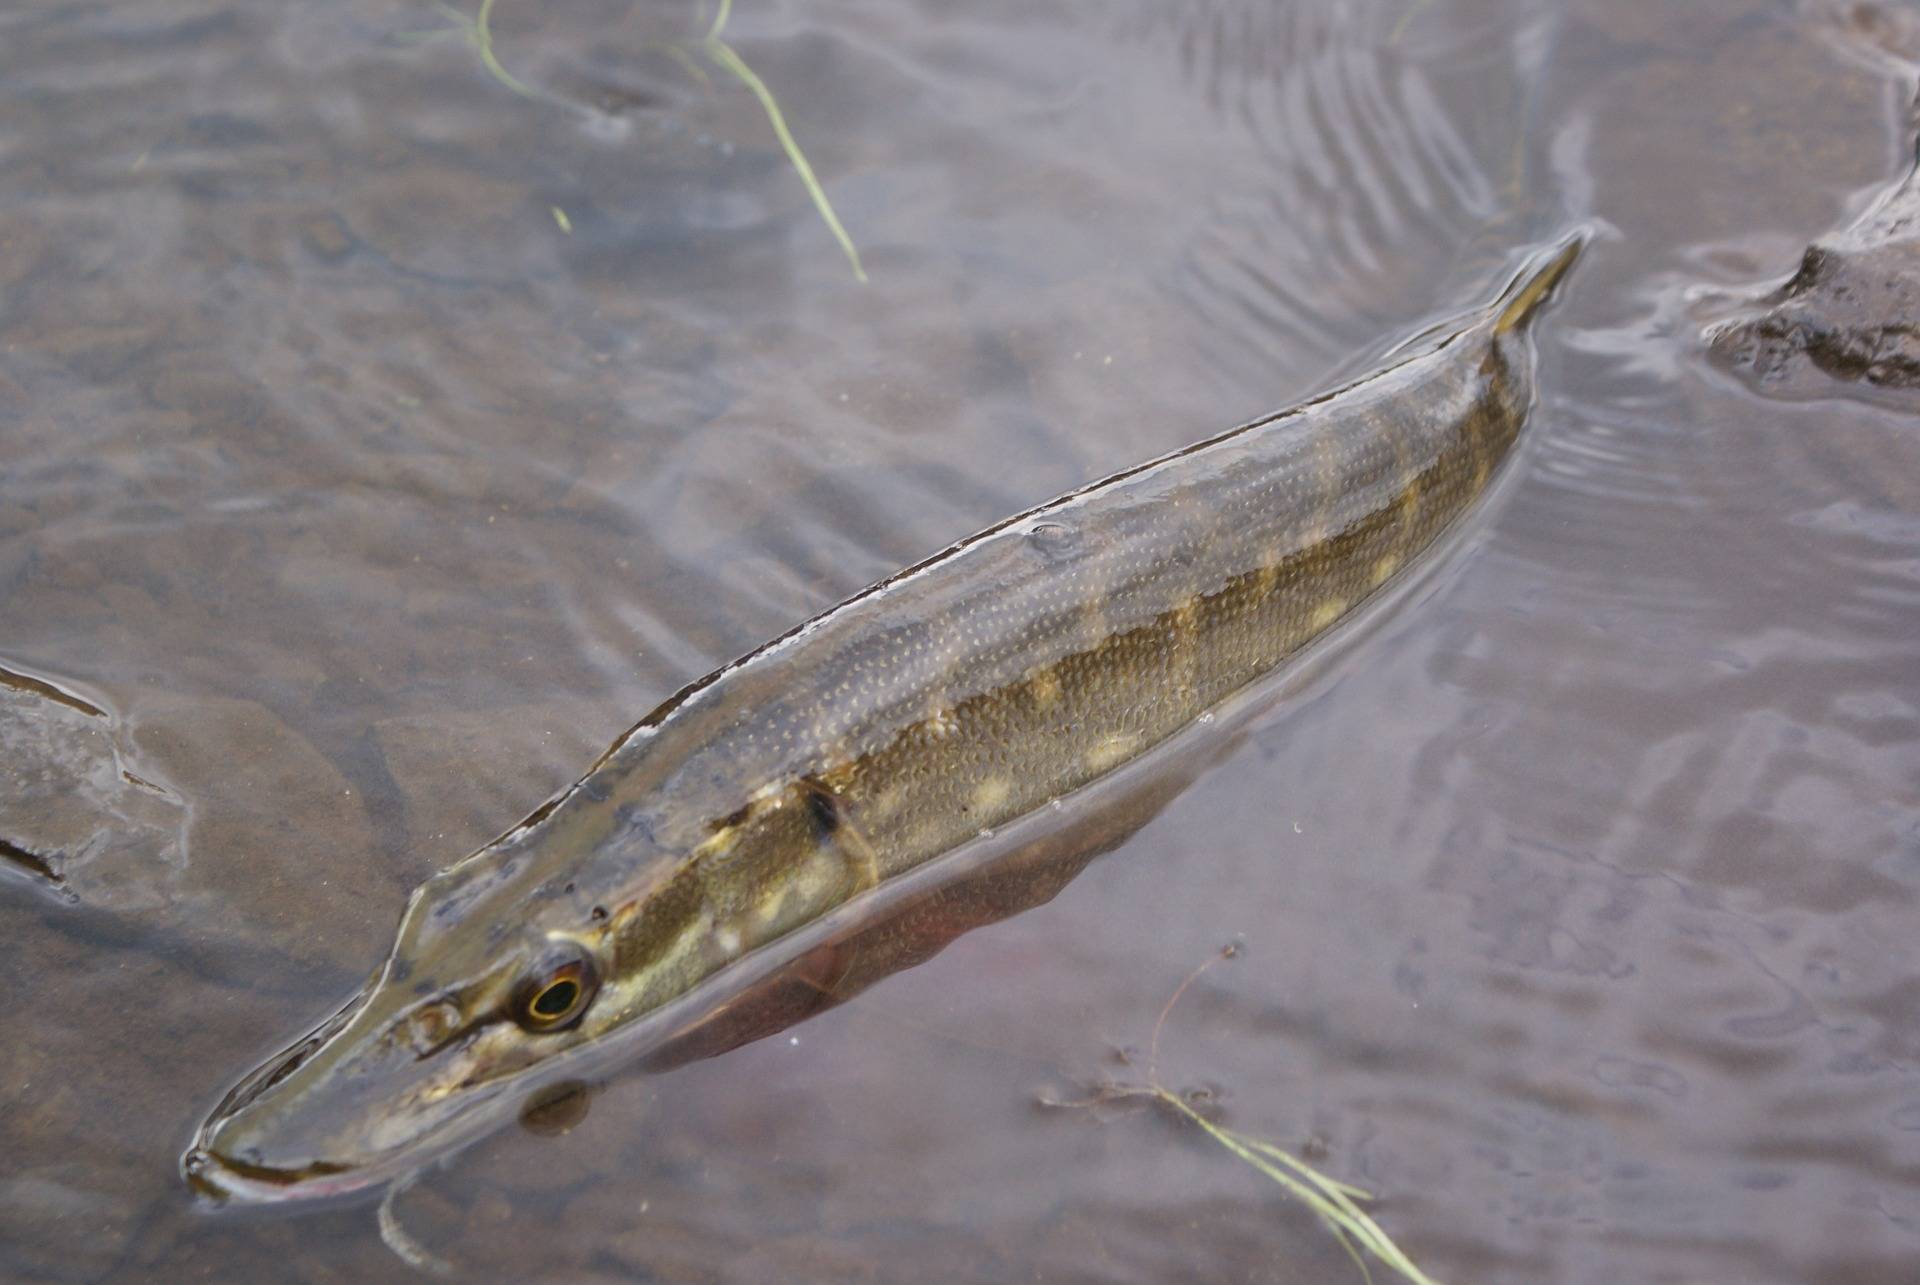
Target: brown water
{"points": [[362, 503]]}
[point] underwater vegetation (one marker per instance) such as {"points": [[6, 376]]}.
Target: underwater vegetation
{"points": [[477, 28], [1335, 1203]]}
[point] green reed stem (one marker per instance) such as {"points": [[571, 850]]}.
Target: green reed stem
{"points": [[1331, 1200], [479, 32], [725, 57], [722, 53], [483, 33], [478, 29]]}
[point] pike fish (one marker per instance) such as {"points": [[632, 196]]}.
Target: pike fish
{"points": [[1015, 668]]}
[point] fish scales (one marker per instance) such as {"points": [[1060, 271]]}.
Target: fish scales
{"points": [[1012, 669], [985, 679]]}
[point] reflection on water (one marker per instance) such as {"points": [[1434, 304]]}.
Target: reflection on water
{"points": [[367, 504]]}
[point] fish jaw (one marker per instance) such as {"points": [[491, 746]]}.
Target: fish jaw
{"points": [[306, 1137], [336, 1113], [353, 1105]]}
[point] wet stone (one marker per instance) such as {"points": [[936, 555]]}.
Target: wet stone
{"points": [[79, 818], [1851, 314]]}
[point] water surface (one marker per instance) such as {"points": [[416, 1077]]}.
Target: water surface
{"points": [[364, 499]]}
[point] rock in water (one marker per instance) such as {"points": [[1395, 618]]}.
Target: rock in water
{"points": [[76, 817], [1851, 313]]}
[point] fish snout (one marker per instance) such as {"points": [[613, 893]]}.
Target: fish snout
{"points": [[269, 1148], [288, 1130]]}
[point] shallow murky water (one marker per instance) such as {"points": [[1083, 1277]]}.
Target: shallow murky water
{"points": [[378, 440]]}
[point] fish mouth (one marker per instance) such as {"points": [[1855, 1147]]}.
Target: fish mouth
{"points": [[231, 1163], [223, 1176], [222, 1180], [302, 1127], [228, 1162]]}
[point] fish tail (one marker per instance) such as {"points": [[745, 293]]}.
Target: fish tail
{"points": [[1535, 284]]}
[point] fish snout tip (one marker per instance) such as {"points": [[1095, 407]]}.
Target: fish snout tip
{"points": [[201, 1170]]}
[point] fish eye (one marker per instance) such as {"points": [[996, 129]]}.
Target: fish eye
{"points": [[556, 991], [556, 1001]]}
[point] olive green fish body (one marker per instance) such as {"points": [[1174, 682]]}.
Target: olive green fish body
{"points": [[1006, 672]]}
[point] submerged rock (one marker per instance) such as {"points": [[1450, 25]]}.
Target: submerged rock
{"points": [[75, 815], [1851, 313]]}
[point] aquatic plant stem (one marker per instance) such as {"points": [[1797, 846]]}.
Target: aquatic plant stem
{"points": [[478, 31], [724, 57], [1329, 1198], [688, 65], [1332, 1201], [483, 38], [1166, 1010]]}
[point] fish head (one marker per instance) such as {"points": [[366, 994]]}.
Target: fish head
{"points": [[496, 970]]}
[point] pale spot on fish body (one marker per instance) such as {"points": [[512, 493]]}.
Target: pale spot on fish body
{"points": [[1271, 559], [1044, 683], [1111, 750], [887, 801], [1328, 612], [991, 793]]}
